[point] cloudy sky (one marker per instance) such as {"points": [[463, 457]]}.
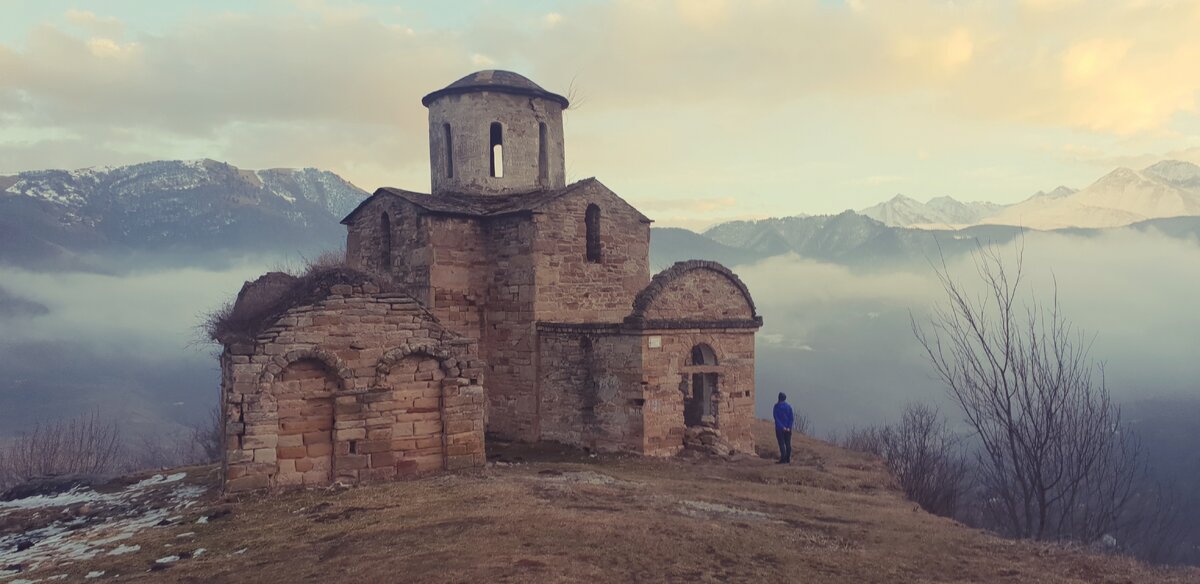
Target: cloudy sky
{"points": [[695, 110]]}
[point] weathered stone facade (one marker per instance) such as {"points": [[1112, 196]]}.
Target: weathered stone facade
{"points": [[360, 385], [547, 283]]}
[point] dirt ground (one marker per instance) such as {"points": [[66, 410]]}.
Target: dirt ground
{"points": [[558, 515]]}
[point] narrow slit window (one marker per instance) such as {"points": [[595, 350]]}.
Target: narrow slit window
{"points": [[543, 164], [385, 243], [449, 152], [497, 150], [591, 221]]}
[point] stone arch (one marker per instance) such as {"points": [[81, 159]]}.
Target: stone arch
{"points": [[433, 350], [703, 354], [332, 362], [663, 280]]}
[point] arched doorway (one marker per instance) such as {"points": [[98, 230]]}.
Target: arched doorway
{"points": [[700, 401], [303, 393]]}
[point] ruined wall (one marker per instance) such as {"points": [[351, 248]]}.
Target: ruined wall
{"points": [[590, 388], [667, 371], [408, 257], [572, 289], [360, 386], [470, 117]]}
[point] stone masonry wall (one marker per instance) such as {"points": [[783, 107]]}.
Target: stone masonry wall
{"points": [[358, 387], [572, 289], [667, 372], [700, 295], [460, 273], [470, 117], [591, 393], [509, 338], [410, 255]]}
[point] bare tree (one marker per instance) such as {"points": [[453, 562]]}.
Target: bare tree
{"points": [[1056, 461], [83, 445], [868, 439], [198, 444], [802, 425], [927, 460], [206, 436], [924, 456]]}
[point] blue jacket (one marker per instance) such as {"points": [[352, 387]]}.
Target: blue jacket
{"points": [[783, 416]]}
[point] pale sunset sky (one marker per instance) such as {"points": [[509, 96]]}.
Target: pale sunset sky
{"points": [[697, 111]]}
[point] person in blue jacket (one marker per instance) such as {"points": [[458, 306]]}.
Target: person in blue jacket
{"points": [[784, 419]]}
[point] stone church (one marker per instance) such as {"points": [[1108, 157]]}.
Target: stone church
{"points": [[505, 303]]}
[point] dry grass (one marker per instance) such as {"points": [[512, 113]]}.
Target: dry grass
{"points": [[242, 319], [556, 515]]}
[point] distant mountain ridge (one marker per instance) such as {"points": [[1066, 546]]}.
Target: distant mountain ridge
{"points": [[1169, 188], [938, 212], [856, 240], [57, 217]]}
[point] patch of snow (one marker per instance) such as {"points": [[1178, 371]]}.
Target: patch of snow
{"points": [[240, 552], [112, 518], [71, 497], [157, 480], [186, 534], [167, 560], [199, 552], [203, 519], [95, 574], [124, 549]]}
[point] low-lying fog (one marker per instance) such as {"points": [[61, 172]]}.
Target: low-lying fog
{"points": [[837, 340], [840, 341]]}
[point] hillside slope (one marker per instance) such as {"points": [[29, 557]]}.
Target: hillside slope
{"points": [[549, 515]]}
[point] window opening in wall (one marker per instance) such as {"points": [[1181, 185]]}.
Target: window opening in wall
{"points": [[591, 221], [497, 150], [449, 152], [385, 244], [543, 164]]}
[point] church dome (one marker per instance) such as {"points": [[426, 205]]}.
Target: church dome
{"points": [[495, 80]]}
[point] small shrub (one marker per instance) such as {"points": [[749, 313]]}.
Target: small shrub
{"points": [[84, 445]]}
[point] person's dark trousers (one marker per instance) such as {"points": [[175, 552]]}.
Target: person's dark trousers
{"points": [[785, 445]]}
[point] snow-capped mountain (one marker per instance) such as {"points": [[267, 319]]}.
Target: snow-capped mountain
{"points": [[56, 216], [1169, 188], [1058, 193], [937, 213]]}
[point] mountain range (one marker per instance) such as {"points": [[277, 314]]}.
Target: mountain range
{"points": [[1170, 188], [198, 212], [66, 219]]}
